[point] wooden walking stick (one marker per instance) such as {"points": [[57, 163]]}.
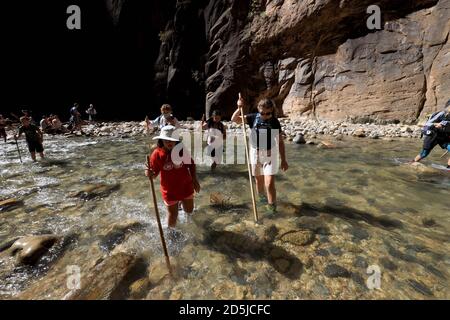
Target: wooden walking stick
{"points": [[444, 154], [255, 210], [158, 219], [18, 150]]}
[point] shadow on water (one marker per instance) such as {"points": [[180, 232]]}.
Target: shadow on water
{"points": [[236, 245], [54, 162], [227, 207], [350, 214]]}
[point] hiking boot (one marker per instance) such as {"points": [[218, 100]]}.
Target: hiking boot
{"points": [[262, 199], [271, 209], [173, 235]]}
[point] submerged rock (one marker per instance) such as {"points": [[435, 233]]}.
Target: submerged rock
{"points": [[118, 232], [336, 271], [139, 288], [420, 287], [360, 262], [298, 237], [9, 204], [95, 191], [428, 222]]}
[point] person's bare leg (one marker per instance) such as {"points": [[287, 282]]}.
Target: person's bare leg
{"points": [[188, 205], [173, 215], [269, 182], [260, 185], [33, 156], [41, 154]]}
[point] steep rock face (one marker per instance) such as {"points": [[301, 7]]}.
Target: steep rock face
{"points": [[325, 62], [315, 58]]}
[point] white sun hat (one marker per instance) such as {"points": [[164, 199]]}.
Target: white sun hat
{"points": [[167, 134]]}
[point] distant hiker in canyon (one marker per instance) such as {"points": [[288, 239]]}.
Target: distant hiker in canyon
{"points": [[266, 142], [166, 118], [91, 112], [216, 132], [178, 180], [436, 132], [33, 137], [75, 119]]}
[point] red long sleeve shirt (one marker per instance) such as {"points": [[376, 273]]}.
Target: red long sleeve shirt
{"points": [[176, 180]]}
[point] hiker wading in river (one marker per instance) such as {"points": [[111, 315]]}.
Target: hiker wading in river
{"points": [[33, 136], [266, 143], [436, 132], [178, 174]]}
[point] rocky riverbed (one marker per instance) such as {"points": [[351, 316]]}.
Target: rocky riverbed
{"points": [[298, 131]]}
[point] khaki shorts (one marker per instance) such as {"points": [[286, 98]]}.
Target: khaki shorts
{"points": [[263, 163]]}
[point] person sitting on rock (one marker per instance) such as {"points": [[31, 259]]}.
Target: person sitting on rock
{"points": [[57, 125], [266, 142], [436, 132], [46, 125], [215, 129], [178, 176], [162, 120], [2, 127], [33, 136]]}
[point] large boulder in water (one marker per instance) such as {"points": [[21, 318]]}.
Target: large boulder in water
{"points": [[29, 249], [105, 279]]}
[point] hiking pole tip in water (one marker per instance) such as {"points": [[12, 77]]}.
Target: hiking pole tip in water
{"points": [[18, 150], [158, 219]]}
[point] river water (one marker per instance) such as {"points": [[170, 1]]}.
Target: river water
{"points": [[343, 212]]}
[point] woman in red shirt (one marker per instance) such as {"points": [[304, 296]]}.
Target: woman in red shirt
{"points": [[178, 174]]}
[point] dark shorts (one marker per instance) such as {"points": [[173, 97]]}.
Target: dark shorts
{"points": [[35, 146], [432, 141], [2, 132]]}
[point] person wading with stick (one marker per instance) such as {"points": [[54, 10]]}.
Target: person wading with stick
{"points": [[266, 142], [33, 136], [178, 175]]}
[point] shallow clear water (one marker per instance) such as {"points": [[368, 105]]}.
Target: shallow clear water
{"points": [[362, 205]]}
